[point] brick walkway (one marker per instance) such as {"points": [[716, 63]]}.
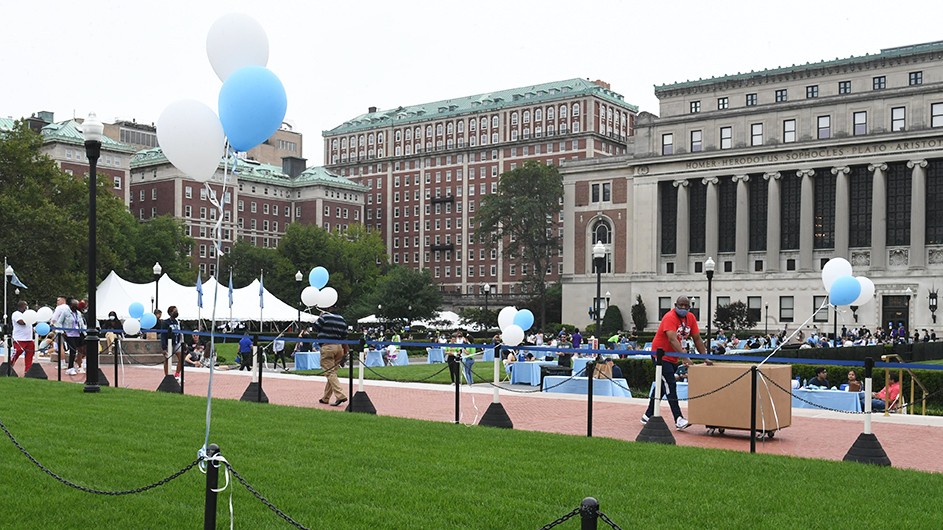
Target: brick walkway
{"points": [[909, 441]]}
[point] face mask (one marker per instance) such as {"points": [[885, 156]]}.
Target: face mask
{"points": [[681, 312]]}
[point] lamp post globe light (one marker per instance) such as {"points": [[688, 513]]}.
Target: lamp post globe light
{"points": [[709, 271], [599, 260], [298, 278], [7, 273], [932, 297], [487, 289], [157, 270], [93, 129]]}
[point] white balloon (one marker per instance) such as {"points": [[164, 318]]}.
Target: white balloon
{"points": [[328, 297], [234, 41], [44, 314], [132, 326], [833, 270], [191, 137], [506, 317], [512, 335], [867, 291], [29, 317], [309, 296]]}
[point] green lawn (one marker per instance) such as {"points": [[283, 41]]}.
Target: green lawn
{"points": [[335, 470]]}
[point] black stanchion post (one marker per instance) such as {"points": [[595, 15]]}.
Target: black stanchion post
{"points": [[59, 358], [212, 483], [350, 375], [457, 370], [590, 370], [655, 429], [261, 364], [753, 409], [115, 348], [183, 369], [867, 448], [589, 514]]}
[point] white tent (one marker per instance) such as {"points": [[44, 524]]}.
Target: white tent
{"points": [[116, 294]]}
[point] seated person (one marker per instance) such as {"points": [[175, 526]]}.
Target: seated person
{"points": [[510, 359], [529, 357], [47, 346], [820, 380], [614, 368], [891, 392], [681, 374], [195, 356], [853, 384]]}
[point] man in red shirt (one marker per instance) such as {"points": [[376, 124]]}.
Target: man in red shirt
{"points": [[887, 395], [676, 326]]}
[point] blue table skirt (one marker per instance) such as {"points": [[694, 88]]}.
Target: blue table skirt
{"points": [[682, 391], [488, 354], [833, 399], [374, 358], [308, 361], [579, 385], [436, 355], [528, 372]]}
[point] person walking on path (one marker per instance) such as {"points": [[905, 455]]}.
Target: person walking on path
{"points": [[677, 326], [70, 319], [332, 327], [22, 336], [245, 352]]}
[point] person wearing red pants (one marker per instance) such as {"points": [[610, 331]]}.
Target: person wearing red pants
{"points": [[22, 336]]}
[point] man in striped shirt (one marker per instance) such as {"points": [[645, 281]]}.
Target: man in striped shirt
{"points": [[332, 327]]}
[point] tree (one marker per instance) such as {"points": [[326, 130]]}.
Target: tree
{"points": [[522, 215], [483, 318], [734, 316], [611, 322], [639, 314], [407, 294], [163, 240], [248, 261]]}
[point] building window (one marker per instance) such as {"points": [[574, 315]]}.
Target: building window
{"points": [[790, 193], [844, 87], [789, 131], [860, 125], [879, 82], [936, 115], [668, 196], [117, 183], [696, 137], [695, 107], [898, 203], [860, 183], [726, 137], [898, 118], [756, 134], [823, 211], [723, 103], [781, 95], [602, 192], [934, 196], [751, 100], [824, 127], [758, 187], [667, 144], [817, 302], [727, 200], [786, 309], [697, 194], [916, 78], [812, 91]]}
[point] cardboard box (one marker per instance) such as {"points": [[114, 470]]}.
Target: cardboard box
{"points": [[730, 408]]}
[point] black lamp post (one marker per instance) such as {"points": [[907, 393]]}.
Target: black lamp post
{"points": [[298, 278], [487, 289], [766, 320], [157, 270], [709, 270], [933, 304], [854, 312], [7, 345], [92, 129], [599, 260]]}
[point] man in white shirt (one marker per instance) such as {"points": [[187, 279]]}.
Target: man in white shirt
{"points": [[22, 336]]}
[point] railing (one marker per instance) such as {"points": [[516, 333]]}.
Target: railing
{"points": [[914, 382]]}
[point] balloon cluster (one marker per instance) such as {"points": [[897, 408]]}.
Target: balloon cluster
{"points": [[252, 102], [316, 294], [42, 316], [843, 287], [513, 323], [139, 319]]}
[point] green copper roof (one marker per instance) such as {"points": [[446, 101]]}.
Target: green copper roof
{"points": [[887, 53], [480, 103], [254, 171], [70, 132]]}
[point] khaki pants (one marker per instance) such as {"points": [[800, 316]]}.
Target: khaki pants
{"points": [[331, 355]]}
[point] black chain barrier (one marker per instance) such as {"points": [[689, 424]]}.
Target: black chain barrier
{"points": [[532, 391], [381, 376], [608, 521], [816, 405], [263, 500], [590, 510], [560, 520], [86, 489]]}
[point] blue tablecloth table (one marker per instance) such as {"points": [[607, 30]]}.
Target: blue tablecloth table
{"points": [[528, 372], [436, 355], [308, 361], [488, 354], [374, 358], [402, 358], [579, 385], [833, 399], [682, 389]]}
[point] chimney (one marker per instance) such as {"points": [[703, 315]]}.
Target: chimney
{"points": [[602, 84], [371, 110], [293, 166]]}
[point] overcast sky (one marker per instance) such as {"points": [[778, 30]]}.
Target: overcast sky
{"points": [[129, 60]]}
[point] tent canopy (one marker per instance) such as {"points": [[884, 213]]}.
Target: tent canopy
{"points": [[117, 294]]}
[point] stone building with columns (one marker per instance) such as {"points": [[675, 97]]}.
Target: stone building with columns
{"points": [[771, 174]]}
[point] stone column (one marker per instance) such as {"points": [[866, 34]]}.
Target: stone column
{"points": [[773, 220], [740, 263], [806, 220], [712, 217], [684, 229], [918, 214], [842, 211], [878, 217]]}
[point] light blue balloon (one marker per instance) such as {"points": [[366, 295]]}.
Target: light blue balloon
{"points": [[318, 277], [136, 310], [148, 321], [42, 328], [524, 318], [845, 290], [252, 105]]}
